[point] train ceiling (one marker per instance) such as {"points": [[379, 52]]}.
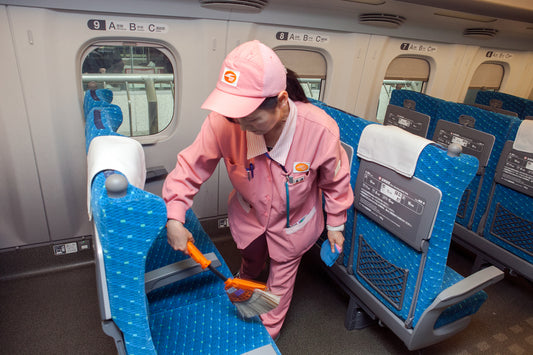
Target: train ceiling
{"points": [[489, 23]]}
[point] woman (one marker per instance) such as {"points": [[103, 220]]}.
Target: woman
{"points": [[282, 155]]}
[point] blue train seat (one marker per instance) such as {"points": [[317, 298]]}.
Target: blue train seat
{"points": [[153, 299], [501, 100], [104, 121], [350, 127], [96, 98], [496, 109], [418, 102], [398, 274], [414, 122], [435, 301], [505, 236], [528, 110], [502, 127], [476, 143]]}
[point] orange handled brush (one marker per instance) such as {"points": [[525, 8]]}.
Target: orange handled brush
{"points": [[251, 298]]}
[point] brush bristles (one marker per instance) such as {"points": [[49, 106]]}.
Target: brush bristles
{"points": [[258, 303]]}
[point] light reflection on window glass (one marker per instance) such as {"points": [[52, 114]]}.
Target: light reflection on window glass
{"points": [[386, 90], [312, 87]]}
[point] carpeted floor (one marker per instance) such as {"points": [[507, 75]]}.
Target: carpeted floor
{"points": [[57, 313]]}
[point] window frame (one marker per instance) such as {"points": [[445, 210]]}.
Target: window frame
{"points": [[471, 91], [303, 76], [163, 48], [423, 87]]}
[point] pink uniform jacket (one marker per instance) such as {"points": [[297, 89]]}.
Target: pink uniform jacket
{"points": [[258, 205]]}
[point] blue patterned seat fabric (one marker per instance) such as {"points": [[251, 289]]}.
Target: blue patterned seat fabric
{"points": [[503, 128], [451, 176], [350, 127], [103, 121], [512, 208], [96, 98], [510, 222], [195, 314], [509, 102], [460, 310], [528, 110], [190, 316], [126, 227]]}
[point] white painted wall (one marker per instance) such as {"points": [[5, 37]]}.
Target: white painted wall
{"points": [[45, 165]]}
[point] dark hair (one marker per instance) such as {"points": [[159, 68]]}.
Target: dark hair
{"points": [[294, 89]]}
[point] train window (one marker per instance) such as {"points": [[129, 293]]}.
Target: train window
{"points": [[310, 67], [488, 77], [141, 77], [405, 73]]}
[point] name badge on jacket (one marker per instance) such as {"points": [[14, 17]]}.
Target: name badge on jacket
{"points": [[300, 167]]}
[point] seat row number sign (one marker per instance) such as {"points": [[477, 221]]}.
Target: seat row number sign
{"points": [[126, 26]]}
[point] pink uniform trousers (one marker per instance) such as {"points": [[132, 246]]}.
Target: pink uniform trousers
{"points": [[281, 280]]}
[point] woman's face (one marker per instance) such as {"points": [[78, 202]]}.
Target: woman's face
{"points": [[261, 121]]}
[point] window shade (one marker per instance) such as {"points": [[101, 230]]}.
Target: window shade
{"points": [[408, 69], [307, 64], [488, 76]]}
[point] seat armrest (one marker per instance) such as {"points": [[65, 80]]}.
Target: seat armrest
{"points": [[425, 333], [175, 272], [467, 287]]}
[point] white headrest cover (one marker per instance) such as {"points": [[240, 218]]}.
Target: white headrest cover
{"points": [[115, 153], [524, 137], [391, 147]]}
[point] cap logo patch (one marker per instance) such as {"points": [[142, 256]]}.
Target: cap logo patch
{"points": [[230, 77]]}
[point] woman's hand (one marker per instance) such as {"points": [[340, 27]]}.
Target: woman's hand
{"points": [[336, 237], [178, 236]]}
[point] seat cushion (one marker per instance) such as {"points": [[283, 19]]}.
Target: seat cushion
{"points": [[211, 326], [194, 315], [463, 309]]}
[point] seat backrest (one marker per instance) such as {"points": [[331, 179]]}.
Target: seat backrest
{"points": [[402, 261], [501, 100], [96, 98], [418, 102], [502, 127], [102, 121], [508, 221], [414, 122], [126, 223], [496, 109], [126, 227], [528, 110], [350, 127], [473, 142]]}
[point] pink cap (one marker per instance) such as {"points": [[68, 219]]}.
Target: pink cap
{"points": [[249, 74]]}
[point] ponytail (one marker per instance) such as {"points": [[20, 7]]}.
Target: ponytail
{"points": [[294, 89]]}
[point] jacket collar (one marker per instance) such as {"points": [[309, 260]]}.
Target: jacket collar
{"points": [[256, 143]]}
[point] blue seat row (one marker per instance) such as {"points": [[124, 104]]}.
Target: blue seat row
{"points": [[147, 314], [522, 107], [484, 196], [405, 283]]}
